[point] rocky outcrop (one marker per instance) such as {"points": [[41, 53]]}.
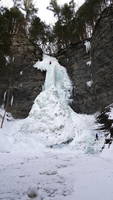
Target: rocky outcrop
{"points": [[19, 77], [77, 62], [93, 85], [102, 59]]}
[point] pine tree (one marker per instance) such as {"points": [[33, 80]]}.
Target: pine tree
{"points": [[63, 28], [88, 14], [16, 21], [29, 8], [38, 31], [55, 8]]}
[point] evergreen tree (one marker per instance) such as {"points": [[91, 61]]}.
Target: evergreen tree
{"points": [[88, 14], [16, 21], [4, 33], [38, 31], [63, 28], [29, 8], [11, 22], [55, 8]]}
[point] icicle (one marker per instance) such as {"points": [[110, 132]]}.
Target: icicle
{"points": [[21, 72], [5, 95], [88, 46], [7, 59], [13, 59], [12, 100]]}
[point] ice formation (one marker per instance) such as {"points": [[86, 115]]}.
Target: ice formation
{"points": [[89, 83], [7, 59], [56, 78], [21, 72], [12, 100], [88, 46], [5, 95], [51, 118], [89, 63]]}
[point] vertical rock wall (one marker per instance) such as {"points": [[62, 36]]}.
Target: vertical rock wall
{"points": [[23, 81], [75, 59], [102, 59], [99, 76]]}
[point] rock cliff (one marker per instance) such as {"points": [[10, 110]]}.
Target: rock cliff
{"points": [[20, 78], [77, 62], [102, 59], [93, 84]]}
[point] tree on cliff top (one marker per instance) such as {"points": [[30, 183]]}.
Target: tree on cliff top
{"points": [[55, 8], [62, 30], [27, 6], [37, 31], [11, 22]]}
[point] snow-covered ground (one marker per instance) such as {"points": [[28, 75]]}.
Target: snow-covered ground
{"points": [[58, 173], [53, 154]]}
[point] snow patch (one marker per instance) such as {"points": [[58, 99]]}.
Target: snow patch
{"points": [[110, 113], [89, 63], [21, 73], [89, 83]]}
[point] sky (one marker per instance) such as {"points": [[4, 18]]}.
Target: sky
{"points": [[43, 13]]}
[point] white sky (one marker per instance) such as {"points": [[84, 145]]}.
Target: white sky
{"points": [[43, 13]]}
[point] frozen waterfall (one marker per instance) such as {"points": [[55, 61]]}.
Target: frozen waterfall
{"points": [[56, 78], [51, 118]]}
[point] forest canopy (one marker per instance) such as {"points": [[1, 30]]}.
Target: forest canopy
{"points": [[70, 27]]}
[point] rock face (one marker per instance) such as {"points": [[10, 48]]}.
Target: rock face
{"points": [[20, 79], [102, 59], [93, 85], [77, 62]]}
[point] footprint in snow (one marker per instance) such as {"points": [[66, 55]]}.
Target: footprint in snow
{"points": [[49, 173]]}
